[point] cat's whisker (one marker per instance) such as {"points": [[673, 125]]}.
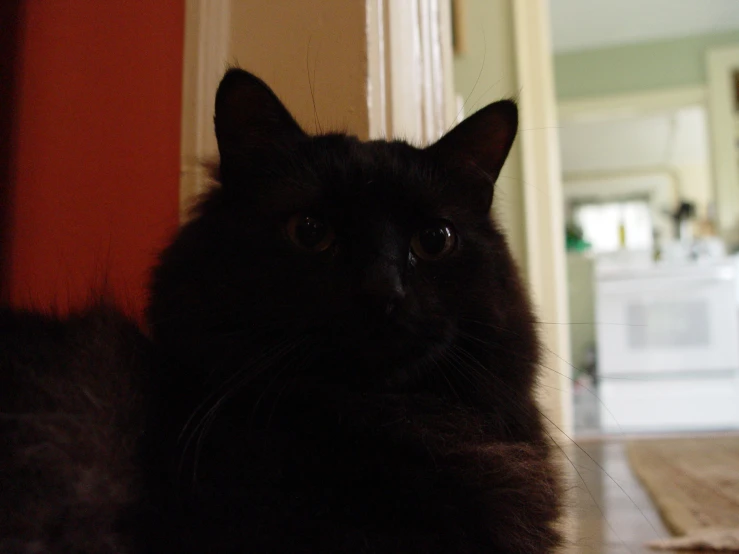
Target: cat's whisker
{"points": [[572, 441], [585, 484], [541, 364], [248, 373], [234, 376], [200, 432], [440, 371], [311, 83], [251, 371], [208, 420], [557, 445], [472, 360], [610, 477], [296, 371], [466, 371], [285, 368], [474, 86]]}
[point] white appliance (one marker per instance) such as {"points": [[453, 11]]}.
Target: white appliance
{"points": [[668, 347]]}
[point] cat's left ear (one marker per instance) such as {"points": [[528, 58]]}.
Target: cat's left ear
{"points": [[249, 116], [481, 143]]}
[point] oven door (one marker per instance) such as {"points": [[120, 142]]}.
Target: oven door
{"points": [[667, 322]]}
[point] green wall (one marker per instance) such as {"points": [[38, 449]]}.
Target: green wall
{"points": [[483, 74], [636, 67], [486, 72]]}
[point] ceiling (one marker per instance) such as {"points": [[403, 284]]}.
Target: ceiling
{"points": [[589, 24], [644, 142]]}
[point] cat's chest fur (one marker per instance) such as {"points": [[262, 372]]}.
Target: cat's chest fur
{"points": [[392, 481]]}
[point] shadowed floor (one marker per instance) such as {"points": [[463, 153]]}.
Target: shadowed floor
{"points": [[613, 513]]}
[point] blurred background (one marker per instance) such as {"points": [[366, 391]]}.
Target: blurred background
{"points": [[647, 98], [620, 197]]}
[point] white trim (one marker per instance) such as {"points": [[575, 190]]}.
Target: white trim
{"points": [[722, 116], [430, 67], [406, 75], [207, 43], [543, 201], [629, 105], [420, 62], [612, 186], [377, 106], [449, 95], [578, 176], [660, 185]]}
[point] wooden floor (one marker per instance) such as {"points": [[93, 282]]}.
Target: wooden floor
{"points": [[612, 513]]}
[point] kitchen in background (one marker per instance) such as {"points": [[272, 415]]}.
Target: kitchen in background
{"points": [[652, 208]]}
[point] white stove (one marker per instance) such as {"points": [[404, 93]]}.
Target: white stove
{"points": [[668, 347]]}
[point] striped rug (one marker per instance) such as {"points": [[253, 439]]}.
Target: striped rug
{"points": [[695, 485]]}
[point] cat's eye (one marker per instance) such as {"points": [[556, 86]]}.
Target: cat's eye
{"points": [[310, 233], [434, 242]]}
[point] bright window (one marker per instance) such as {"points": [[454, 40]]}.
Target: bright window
{"points": [[601, 224]]}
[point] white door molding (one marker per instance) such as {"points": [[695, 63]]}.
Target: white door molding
{"points": [[630, 105], [422, 105], [722, 112], [206, 55], [377, 57], [543, 202]]}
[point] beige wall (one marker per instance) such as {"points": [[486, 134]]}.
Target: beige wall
{"points": [[286, 41]]}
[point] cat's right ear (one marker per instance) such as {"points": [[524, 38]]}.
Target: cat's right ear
{"points": [[249, 117], [480, 143]]}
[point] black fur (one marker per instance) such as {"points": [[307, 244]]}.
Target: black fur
{"points": [[72, 415], [358, 399]]}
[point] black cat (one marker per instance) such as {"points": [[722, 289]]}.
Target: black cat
{"points": [[340, 359]]}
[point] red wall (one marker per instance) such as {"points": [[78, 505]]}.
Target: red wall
{"points": [[94, 157]]}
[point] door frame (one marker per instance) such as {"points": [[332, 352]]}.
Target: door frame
{"points": [[544, 207], [206, 56], [724, 132]]}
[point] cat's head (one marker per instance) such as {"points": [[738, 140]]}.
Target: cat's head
{"points": [[363, 263]]}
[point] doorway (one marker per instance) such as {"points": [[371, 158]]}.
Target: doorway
{"points": [[649, 266]]}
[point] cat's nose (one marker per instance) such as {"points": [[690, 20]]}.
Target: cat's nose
{"points": [[382, 289]]}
